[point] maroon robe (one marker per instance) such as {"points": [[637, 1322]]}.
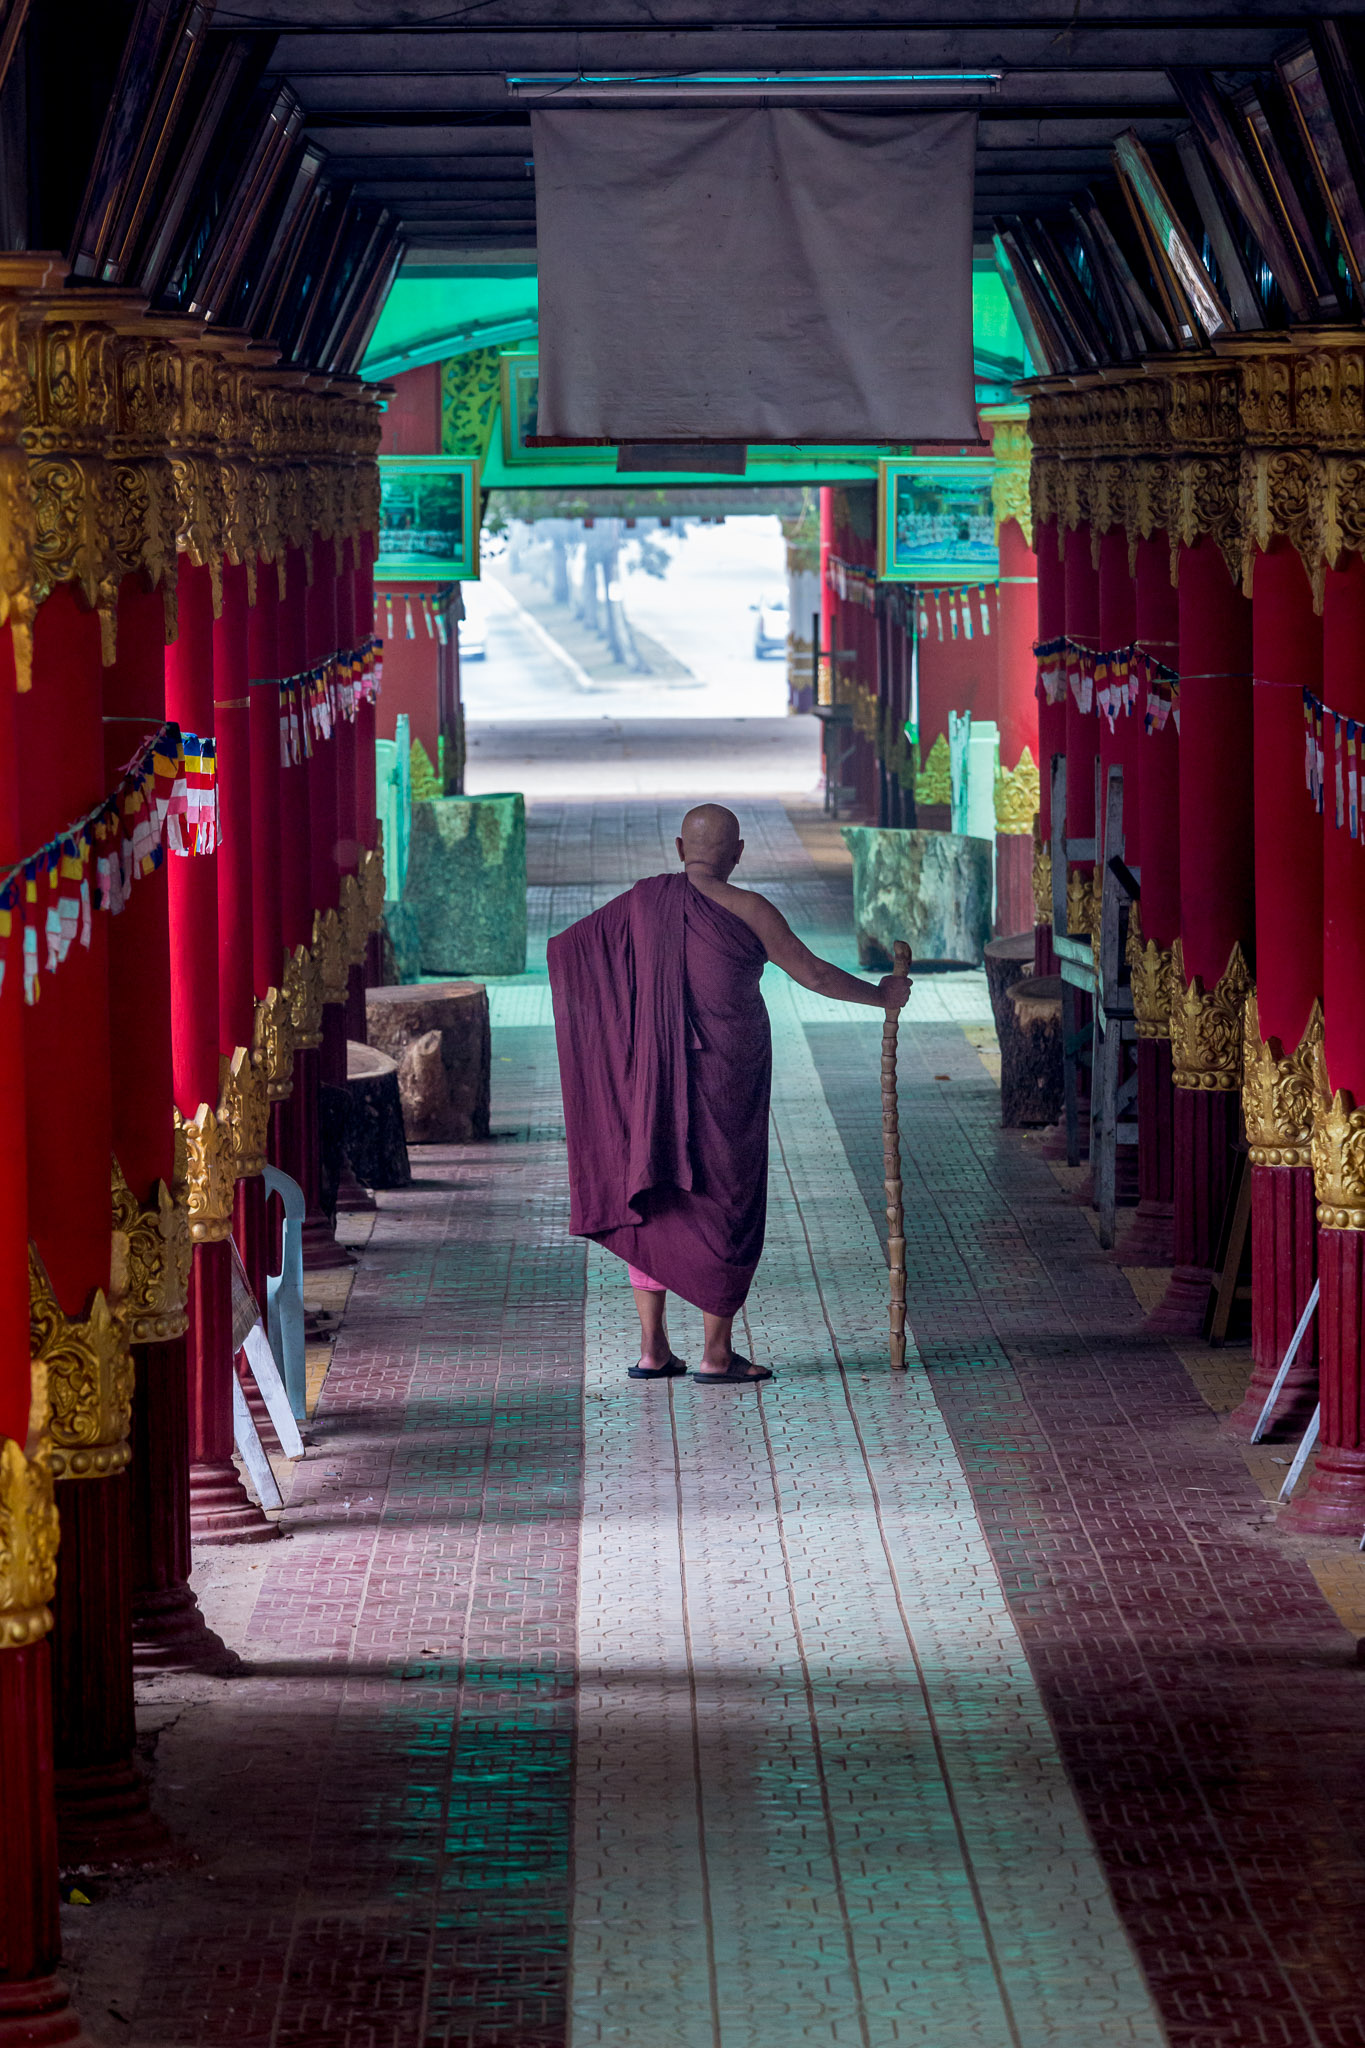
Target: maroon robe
{"points": [[666, 1062]]}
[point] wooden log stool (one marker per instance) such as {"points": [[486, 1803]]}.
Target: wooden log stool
{"points": [[1029, 1025], [375, 1142], [436, 1033], [1007, 961]]}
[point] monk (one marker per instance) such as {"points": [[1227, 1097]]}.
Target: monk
{"points": [[666, 1062]]}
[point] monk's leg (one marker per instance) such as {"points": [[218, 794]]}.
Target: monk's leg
{"points": [[654, 1346]]}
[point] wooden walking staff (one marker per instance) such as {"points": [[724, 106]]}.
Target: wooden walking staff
{"points": [[891, 1169]]}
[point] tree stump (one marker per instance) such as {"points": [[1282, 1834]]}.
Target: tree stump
{"points": [[1007, 961], [375, 1143], [1030, 1030], [437, 1034]]}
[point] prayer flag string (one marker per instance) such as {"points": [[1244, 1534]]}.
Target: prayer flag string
{"points": [[1333, 756], [311, 703], [1109, 680], [167, 797]]}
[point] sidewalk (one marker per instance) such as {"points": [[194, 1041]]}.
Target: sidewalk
{"points": [[978, 1706]]}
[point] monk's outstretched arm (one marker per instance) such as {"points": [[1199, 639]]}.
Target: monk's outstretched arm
{"points": [[786, 951]]}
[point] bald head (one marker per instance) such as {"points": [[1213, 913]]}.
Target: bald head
{"points": [[710, 839]]}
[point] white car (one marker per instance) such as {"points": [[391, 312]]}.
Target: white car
{"points": [[770, 626]]}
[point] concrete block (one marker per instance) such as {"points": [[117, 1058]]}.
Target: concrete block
{"points": [[931, 888], [466, 884]]}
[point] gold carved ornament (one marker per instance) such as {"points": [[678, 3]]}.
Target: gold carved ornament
{"points": [[1151, 971], [1338, 1152], [1206, 1025], [329, 955], [209, 1176], [150, 1267], [355, 920], [1042, 878], [1011, 450], [28, 1527], [89, 1380], [1083, 889], [1017, 796], [934, 783], [244, 1111], [1278, 1091], [372, 884], [303, 990], [272, 1045]]}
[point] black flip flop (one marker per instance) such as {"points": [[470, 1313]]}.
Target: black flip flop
{"points": [[674, 1370], [738, 1373]]}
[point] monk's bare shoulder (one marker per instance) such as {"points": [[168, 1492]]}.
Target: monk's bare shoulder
{"points": [[763, 918]]}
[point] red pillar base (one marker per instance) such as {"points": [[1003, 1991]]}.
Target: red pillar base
{"points": [[169, 1632], [1206, 1126], [1013, 883], [35, 2012], [251, 1229], [1284, 1261], [1332, 1502], [1044, 959], [1150, 1238], [221, 1511], [104, 1816]]}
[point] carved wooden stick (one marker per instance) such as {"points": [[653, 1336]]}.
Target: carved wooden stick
{"points": [[891, 1169]]}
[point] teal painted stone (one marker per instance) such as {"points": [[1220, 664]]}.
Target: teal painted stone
{"points": [[930, 888], [466, 884]]}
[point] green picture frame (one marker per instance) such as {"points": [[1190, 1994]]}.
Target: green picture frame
{"points": [[428, 518], [519, 399], [936, 520]]}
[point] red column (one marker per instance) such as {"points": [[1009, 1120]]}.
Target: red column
{"points": [[168, 1629], [1118, 744], [220, 1510], [1082, 727], [263, 654], [1333, 1501], [1156, 627], [1016, 625], [33, 2000], [1216, 898], [296, 876], [1051, 717], [232, 732], [102, 1802], [1287, 654]]}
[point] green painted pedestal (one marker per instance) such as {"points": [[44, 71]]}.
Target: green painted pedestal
{"points": [[464, 899]]}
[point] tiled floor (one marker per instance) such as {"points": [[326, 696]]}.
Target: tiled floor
{"points": [[978, 1706]]}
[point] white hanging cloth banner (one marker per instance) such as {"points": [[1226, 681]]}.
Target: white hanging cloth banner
{"points": [[754, 274]]}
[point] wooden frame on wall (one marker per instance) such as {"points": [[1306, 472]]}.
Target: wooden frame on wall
{"points": [[936, 520], [428, 518]]}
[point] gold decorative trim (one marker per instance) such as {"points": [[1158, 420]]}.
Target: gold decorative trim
{"points": [[28, 1526], [1151, 969], [329, 953], [1017, 795], [1278, 1090], [209, 1175], [303, 991], [934, 783], [1206, 1025], [1042, 879], [244, 1108], [150, 1269], [89, 1380], [1011, 451], [272, 1045]]}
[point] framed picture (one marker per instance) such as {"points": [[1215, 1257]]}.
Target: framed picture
{"points": [[429, 517], [520, 417], [936, 521]]}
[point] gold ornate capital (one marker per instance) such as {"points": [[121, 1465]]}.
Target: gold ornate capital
{"points": [[273, 1045], [303, 991], [89, 1380], [28, 1526], [1338, 1153], [1278, 1090], [150, 1268], [1206, 1025], [1151, 969], [329, 953], [209, 1176], [1017, 796], [244, 1108], [1011, 451], [1042, 879]]}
